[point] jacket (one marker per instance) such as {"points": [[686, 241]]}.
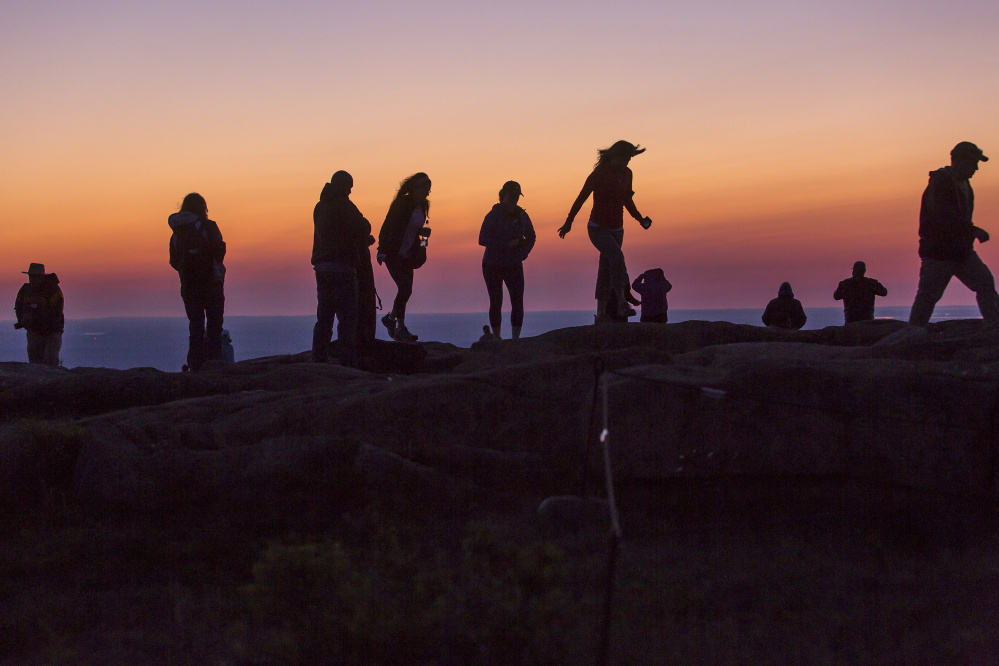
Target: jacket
{"points": [[499, 230], [394, 227], [857, 294], [340, 230], [946, 232]]}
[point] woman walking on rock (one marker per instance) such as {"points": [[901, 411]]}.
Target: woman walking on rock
{"points": [[610, 182], [402, 246]]}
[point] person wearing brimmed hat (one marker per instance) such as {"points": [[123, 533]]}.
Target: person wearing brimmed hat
{"points": [[947, 237], [39, 310], [508, 236], [785, 311], [610, 182], [857, 294]]}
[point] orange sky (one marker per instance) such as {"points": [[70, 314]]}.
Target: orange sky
{"points": [[784, 142]]}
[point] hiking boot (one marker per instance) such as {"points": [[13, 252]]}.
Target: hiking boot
{"points": [[403, 335], [389, 322]]}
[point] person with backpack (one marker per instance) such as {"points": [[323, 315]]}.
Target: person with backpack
{"points": [[39, 310], [340, 233], [402, 247], [196, 253], [508, 236]]}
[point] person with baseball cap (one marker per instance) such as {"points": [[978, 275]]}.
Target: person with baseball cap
{"points": [[946, 239], [507, 235]]}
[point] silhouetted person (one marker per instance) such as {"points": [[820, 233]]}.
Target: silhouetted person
{"points": [[857, 294], [340, 233], [508, 236], [653, 286], [39, 311], [228, 352], [947, 237], [402, 246], [196, 253], [785, 311], [610, 182]]}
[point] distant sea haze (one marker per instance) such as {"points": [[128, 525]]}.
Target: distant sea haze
{"points": [[161, 342]]}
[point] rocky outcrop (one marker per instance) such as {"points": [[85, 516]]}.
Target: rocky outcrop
{"points": [[875, 401]]}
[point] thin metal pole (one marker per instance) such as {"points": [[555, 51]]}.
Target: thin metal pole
{"points": [[598, 370], [614, 537]]}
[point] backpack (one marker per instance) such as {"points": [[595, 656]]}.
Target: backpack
{"points": [[40, 311], [192, 256]]}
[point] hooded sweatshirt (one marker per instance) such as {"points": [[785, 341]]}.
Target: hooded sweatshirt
{"points": [[946, 232], [785, 311], [653, 286]]}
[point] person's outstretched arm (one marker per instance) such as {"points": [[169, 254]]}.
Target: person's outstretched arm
{"points": [[584, 194]]}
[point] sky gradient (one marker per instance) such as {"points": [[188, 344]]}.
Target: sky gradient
{"points": [[786, 140]]}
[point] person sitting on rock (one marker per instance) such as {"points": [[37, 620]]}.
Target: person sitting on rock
{"points": [[857, 294], [785, 311], [653, 286], [39, 310]]}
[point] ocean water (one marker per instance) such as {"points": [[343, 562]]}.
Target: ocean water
{"points": [[161, 342]]}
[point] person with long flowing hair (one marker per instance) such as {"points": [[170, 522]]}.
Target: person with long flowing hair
{"points": [[402, 247], [610, 183]]}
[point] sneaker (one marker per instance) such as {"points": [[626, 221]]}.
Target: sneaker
{"points": [[403, 335], [389, 322]]}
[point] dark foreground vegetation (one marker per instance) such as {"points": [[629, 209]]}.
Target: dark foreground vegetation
{"points": [[723, 572]]}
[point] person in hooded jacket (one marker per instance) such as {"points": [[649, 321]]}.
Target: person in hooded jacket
{"points": [[340, 233], [196, 253], [38, 307], [653, 286], [947, 238], [508, 236], [785, 311]]}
